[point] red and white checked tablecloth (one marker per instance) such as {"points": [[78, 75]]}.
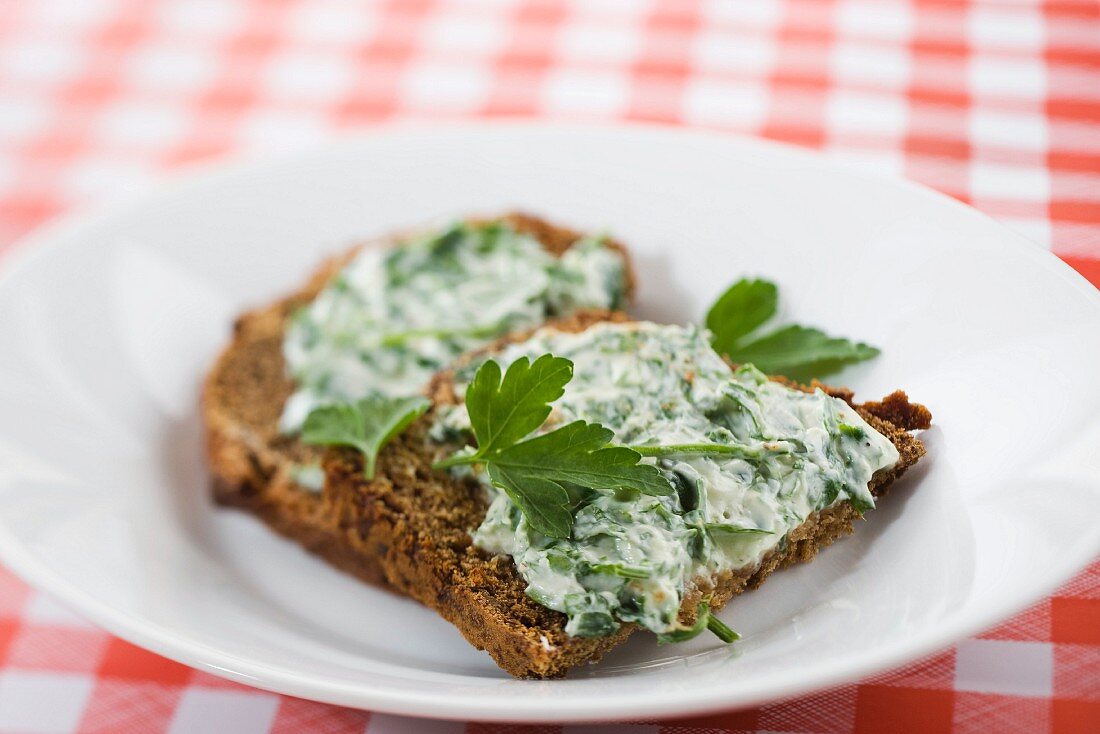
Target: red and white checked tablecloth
{"points": [[995, 102]]}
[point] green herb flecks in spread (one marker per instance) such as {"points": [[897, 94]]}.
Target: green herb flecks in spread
{"points": [[392, 318], [749, 460]]}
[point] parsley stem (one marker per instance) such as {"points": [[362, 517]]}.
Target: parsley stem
{"points": [[398, 338], [457, 460], [708, 448], [721, 630]]}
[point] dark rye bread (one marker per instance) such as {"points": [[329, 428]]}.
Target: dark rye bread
{"points": [[244, 394], [408, 528]]}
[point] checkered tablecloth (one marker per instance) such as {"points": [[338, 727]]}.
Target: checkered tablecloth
{"points": [[995, 102]]}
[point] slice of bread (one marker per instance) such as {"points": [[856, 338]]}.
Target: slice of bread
{"points": [[409, 529], [252, 462]]}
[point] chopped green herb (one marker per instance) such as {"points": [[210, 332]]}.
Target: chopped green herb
{"points": [[618, 569], [713, 449], [853, 431], [687, 488], [399, 338], [589, 615], [559, 562], [832, 490], [593, 624], [860, 504], [721, 529], [537, 594]]}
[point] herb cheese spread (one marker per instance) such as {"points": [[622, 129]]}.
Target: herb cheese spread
{"points": [[392, 318], [631, 557]]}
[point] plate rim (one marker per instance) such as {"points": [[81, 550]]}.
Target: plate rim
{"points": [[709, 698]]}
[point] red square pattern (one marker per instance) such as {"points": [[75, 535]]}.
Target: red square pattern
{"points": [[297, 715], [903, 710], [729, 722], [1075, 621], [128, 662], [1075, 717], [828, 712]]}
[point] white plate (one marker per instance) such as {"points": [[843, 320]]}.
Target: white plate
{"points": [[109, 320]]}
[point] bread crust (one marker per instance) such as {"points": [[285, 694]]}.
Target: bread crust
{"points": [[409, 530]]}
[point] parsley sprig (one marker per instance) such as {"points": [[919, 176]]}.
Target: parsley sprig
{"points": [[539, 473], [798, 352], [367, 425]]}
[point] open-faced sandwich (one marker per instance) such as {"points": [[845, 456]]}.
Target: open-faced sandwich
{"points": [[382, 319], [564, 484]]}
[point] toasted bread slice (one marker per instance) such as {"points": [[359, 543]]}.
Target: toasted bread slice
{"points": [[409, 528], [252, 462]]}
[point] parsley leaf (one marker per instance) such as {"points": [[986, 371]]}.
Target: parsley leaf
{"points": [[737, 312], [503, 412], [802, 353], [544, 503], [367, 425], [798, 352], [537, 473], [532, 473]]}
